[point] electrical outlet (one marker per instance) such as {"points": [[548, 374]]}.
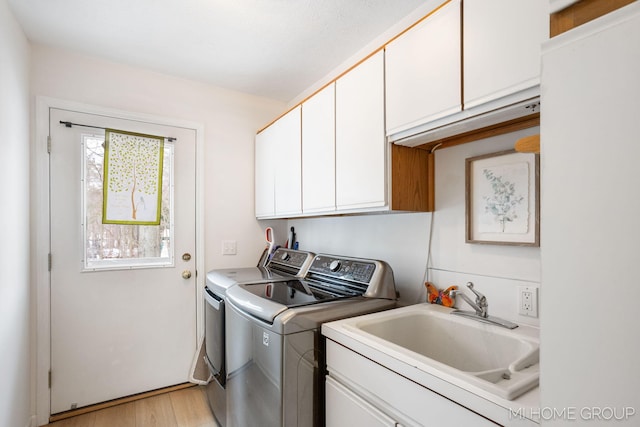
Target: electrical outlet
{"points": [[229, 247], [528, 301]]}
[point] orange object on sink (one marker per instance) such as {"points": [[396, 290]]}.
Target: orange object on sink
{"points": [[436, 296]]}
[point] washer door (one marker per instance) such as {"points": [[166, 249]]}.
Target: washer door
{"points": [[214, 334], [254, 382]]}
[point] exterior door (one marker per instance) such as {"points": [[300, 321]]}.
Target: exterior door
{"points": [[123, 297]]}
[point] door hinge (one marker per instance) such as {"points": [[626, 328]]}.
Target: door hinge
{"points": [[49, 379], [49, 144], [49, 261]]}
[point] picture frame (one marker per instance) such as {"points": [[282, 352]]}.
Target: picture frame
{"points": [[502, 198]]}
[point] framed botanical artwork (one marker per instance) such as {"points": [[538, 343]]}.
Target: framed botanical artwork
{"points": [[503, 199]]}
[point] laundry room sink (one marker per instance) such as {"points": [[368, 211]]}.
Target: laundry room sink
{"points": [[501, 361]]}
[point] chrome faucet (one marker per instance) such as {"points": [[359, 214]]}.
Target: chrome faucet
{"points": [[481, 307]]}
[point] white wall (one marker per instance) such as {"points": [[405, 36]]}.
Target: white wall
{"points": [[402, 240], [15, 323], [230, 120], [495, 270], [399, 239], [590, 214]]}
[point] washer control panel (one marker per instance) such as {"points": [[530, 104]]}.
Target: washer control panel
{"points": [[348, 269]]}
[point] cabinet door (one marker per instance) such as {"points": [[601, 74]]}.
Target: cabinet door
{"points": [[423, 69], [345, 408], [501, 45], [319, 152], [360, 139], [264, 174], [407, 401], [288, 164], [278, 168]]}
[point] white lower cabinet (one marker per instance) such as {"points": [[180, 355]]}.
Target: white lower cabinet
{"points": [[360, 392], [349, 410]]}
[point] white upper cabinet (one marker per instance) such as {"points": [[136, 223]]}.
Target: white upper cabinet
{"points": [[288, 175], [318, 152], [463, 67], [360, 139], [278, 167], [502, 45], [423, 67], [264, 174]]}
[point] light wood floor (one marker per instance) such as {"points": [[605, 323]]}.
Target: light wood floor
{"points": [[182, 408]]}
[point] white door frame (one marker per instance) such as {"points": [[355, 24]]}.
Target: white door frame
{"points": [[41, 244]]}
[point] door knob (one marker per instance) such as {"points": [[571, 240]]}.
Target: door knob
{"points": [[186, 274]]}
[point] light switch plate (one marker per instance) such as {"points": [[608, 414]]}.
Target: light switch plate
{"points": [[229, 247]]}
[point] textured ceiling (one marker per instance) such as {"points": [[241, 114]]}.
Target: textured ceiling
{"points": [[270, 48]]}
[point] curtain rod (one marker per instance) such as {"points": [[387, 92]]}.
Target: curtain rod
{"points": [[69, 124]]}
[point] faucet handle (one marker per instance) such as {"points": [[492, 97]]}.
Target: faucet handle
{"points": [[479, 296]]}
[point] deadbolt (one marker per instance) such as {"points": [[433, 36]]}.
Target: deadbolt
{"points": [[186, 256]]}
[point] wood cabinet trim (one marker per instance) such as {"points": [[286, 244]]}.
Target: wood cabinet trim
{"points": [[582, 12], [412, 179], [485, 132]]}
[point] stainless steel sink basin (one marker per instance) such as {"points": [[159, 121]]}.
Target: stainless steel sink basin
{"points": [[498, 360]]}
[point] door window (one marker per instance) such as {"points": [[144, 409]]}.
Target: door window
{"points": [[123, 246]]}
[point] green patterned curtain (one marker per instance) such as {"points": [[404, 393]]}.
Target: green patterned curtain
{"points": [[132, 178]]}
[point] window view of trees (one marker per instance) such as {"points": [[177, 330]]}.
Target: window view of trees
{"points": [[138, 244]]}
